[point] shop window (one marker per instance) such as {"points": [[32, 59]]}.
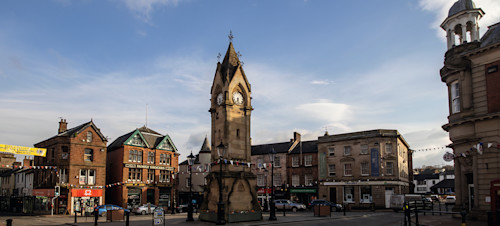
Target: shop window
{"points": [[295, 180], [366, 194], [88, 155], [87, 176], [308, 160], [348, 194]]}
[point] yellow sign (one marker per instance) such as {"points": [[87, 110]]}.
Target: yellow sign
{"points": [[23, 150]]}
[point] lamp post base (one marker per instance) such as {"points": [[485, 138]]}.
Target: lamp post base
{"points": [[220, 214], [272, 212], [190, 213]]}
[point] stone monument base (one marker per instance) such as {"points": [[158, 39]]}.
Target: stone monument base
{"points": [[232, 217]]}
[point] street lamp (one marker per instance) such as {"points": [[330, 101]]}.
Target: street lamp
{"points": [[172, 194], [272, 213], [190, 159], [221, 151]]}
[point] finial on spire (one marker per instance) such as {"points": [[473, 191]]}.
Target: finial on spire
{"points": [[230, 36], [218, 57]]}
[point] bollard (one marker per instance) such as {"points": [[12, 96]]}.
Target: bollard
{"points": [[432, 207], [463, 213], [284, 210], [9, 222], [439, 204], [75, 215], [344, 208], [127, 214], [416, 213], [96, 216]]}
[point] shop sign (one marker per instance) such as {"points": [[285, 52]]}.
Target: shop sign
{"points": [[448, 157], [306, 190], [135, 185], [86, 192], [127, 165], [264, 191], [163, 196], [46, 192], [133, 197]]}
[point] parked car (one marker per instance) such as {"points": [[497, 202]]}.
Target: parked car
{"points": [[184, 208], [450, 200], [333, 206], [288, 205], [144, 209], [103, 209]]}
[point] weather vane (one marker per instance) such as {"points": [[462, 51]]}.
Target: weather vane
{"points": [[230, 36], [218, 57]]}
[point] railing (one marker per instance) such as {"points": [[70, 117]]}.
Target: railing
{"points": [[413, 208]]}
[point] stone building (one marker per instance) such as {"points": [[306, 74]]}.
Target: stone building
{"points": [[362, 169], [471, 74], [75, 161], [201, 168], [141, 165], [261, 158]]}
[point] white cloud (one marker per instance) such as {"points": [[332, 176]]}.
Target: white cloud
{"points": [[144, 8], [322, 82], [441, 7]]}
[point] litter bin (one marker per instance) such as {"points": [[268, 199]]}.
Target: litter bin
{"points": [[114, 215], [321, 211]]}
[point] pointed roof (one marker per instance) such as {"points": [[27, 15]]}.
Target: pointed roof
{"points": [[230, 63], [151, 139], [461, 5], [205, 148]]}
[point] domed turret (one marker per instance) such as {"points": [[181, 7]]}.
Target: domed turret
{"points": [[461, 25]]}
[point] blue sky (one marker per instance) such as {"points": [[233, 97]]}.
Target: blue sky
{"points": [[313, 64]]}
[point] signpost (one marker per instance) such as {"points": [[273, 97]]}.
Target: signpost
{"points": [[448, 157], [158, 216]]}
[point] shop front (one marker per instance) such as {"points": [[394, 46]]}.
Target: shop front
{"points": [[84, 200], [164, 199], [264, 196], [43, 198], [133, 197], [303, 195]]}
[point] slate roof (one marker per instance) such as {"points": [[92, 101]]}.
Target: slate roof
{"points": [[491, 36], [264, 149], [460, 6], [152, 138], [425, 176], [78, 129], [448, 183], [205, 148], [307, 147]]}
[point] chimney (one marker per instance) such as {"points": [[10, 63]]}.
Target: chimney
{"points": [[296, 136], [63, 126], [27, 162]]}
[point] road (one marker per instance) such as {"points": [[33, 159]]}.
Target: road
{"points": [[291, 219]]}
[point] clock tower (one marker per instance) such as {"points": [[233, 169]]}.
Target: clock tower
{"points": [[231, 108], [231, 190]]}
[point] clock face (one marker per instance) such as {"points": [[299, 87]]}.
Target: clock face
{"points": [[220, 99], [237, 98]]}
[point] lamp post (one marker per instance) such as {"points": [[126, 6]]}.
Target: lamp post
{"points": [[221, 151], [190, 159], [272, 211], [172, 194]]}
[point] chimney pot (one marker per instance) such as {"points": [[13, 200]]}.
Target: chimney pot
{"points": [[63, 126]]}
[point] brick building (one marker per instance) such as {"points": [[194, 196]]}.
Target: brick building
{"points": [[141, 165], [75, 161], [472, 77], [365, 168]]}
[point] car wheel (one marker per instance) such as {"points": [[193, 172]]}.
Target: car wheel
{"points": [[143, 212], [294, 209]]}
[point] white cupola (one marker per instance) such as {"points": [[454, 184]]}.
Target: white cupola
{"points": [[461, 25]]}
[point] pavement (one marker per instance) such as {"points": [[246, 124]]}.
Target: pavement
{"points": [[298, 218]]}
